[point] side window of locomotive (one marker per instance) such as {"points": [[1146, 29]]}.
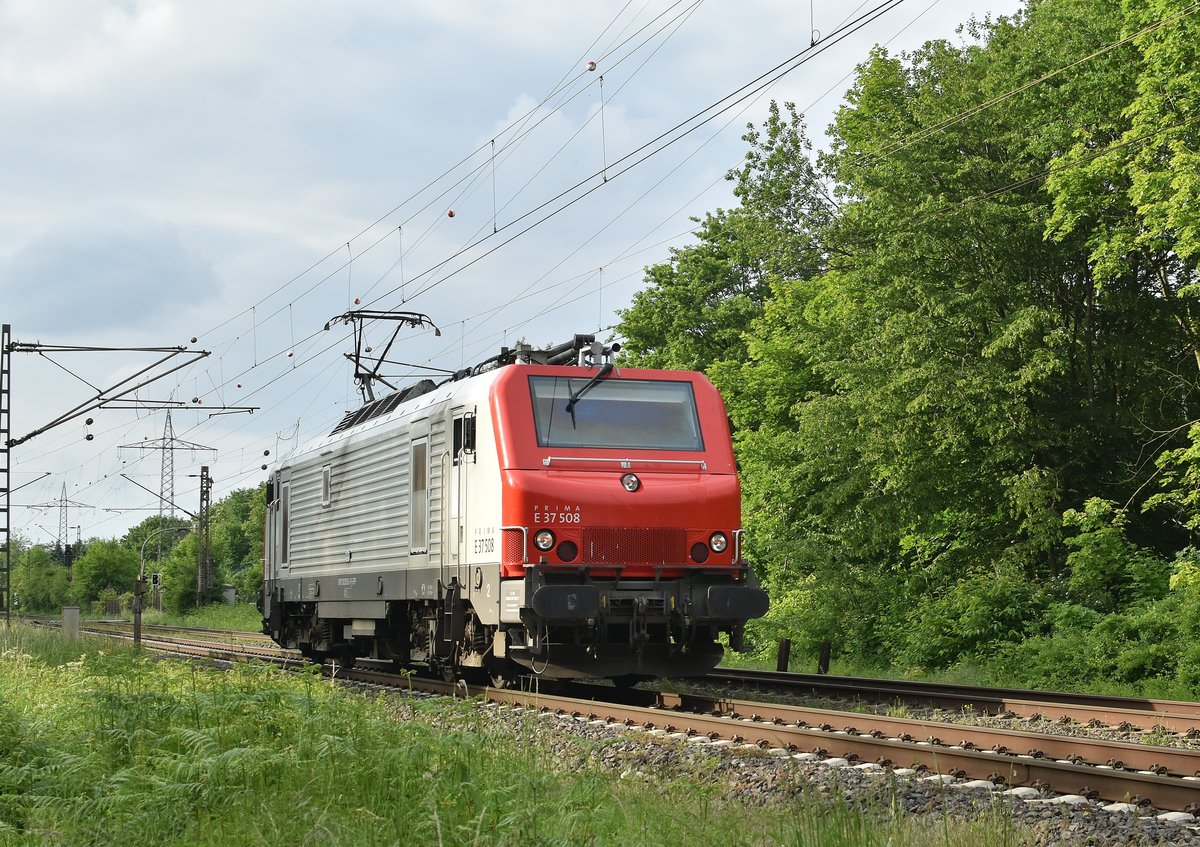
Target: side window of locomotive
{"points": [[326, 485], [418, 508], [464, 439], [622, 413], [284, 509]]}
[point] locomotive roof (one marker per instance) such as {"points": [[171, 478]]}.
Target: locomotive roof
{"points": [[383, 405]]}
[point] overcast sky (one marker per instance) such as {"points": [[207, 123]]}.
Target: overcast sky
{"points": [[239, 172]]}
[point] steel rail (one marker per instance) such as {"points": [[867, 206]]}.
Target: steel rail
{"points": [[1005, 742], [120, 626]]}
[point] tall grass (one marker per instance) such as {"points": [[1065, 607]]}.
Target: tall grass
{"points": [[104, 746], [229, 617]]}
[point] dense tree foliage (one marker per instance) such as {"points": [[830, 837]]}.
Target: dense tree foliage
{"points": [[156, 537], [39, 582], [237, 539], [107, 566], [964, 375]]}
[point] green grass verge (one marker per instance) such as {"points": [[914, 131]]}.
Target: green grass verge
{"points": [[237, 617], [100, 745]]}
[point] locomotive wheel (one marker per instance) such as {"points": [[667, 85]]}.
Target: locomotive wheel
{"points": [[504, 673], [345, 656], [502, 676]]}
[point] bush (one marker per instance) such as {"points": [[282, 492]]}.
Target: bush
{"points": [[106, 565], [1108, 572], [179, 578], [816, 610], [108, 597], [1060, 661], [975, 617]]}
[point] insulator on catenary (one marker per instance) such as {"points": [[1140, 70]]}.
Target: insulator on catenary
{"points": [[591, 65]]}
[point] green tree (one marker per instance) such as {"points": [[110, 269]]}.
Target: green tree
{"points": [[1180, 483], [696, 307], [165, 541], [1134, 190], [237, 522], [105, 565], [39, 583], [179, 571]]}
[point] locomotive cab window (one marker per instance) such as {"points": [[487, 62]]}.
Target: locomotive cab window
{"points": [[622, 413]]}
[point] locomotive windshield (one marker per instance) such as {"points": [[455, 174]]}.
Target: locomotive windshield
{"points": [[624, 413]]}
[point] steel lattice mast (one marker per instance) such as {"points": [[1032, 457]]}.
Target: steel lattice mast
{"points": [[166, 486]]}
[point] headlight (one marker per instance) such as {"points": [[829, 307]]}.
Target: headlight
{"points": [[543, 539], [631, 482], [718, 542]]}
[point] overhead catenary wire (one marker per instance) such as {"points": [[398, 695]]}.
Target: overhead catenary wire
{"points": [[517, 127], [1041, 80], [648, 149], [668, 138]]}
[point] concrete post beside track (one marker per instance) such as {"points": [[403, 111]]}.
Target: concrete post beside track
{"points": [[70, 624]]}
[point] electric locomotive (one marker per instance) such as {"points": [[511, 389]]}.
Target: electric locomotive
{"points": [[543, 512]]}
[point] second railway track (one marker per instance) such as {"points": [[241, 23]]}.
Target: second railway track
{"points": [[1142, 713]]}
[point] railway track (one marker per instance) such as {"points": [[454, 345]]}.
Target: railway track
{"points": [[1169, 715], [1077, 770]]}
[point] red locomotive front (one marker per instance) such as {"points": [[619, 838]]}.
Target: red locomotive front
{"points": [[621, 520]]}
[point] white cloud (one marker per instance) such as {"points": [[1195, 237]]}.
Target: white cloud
{"points": [[115, 273]]}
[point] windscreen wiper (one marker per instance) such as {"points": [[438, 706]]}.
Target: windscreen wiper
{"points": [[604, 371]]}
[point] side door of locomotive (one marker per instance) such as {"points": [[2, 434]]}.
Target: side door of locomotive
{"points": [[461, 458]]}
